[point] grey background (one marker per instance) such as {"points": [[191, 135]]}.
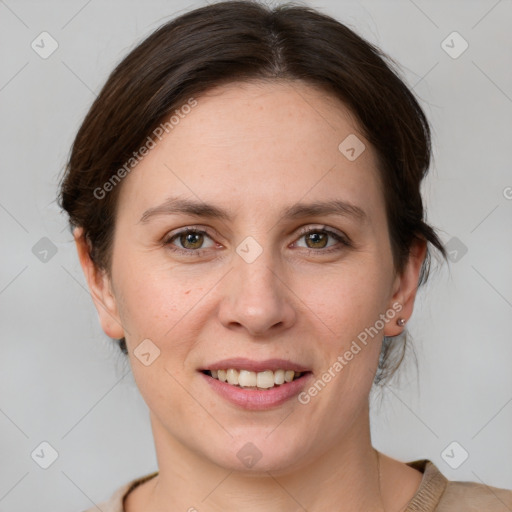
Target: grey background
{"points": [[62, 381]]}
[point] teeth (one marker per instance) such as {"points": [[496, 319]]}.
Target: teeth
{"points": [[279, 377], [232, 376], [246, 379], [288, 375], [262, 380], [265, 379]]}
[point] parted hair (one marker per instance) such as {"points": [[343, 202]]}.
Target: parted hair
{"points": [[235, 41]]}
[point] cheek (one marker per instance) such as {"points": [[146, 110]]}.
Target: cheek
{"points": [[157, 305], [351, 296], [155, 296]]}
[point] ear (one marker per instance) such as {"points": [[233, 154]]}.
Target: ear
{"points": [[405, 287], [100, 287]]}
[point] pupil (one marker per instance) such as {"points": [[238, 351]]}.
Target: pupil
{"points": [[192, 238], [317, 237]]}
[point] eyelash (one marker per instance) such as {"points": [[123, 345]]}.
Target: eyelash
{"points": [[343, 239]]}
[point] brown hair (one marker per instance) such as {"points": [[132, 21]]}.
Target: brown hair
{"points": [[244, 40]]}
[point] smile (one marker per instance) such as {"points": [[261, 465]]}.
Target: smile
{"points": [[266, 379]]}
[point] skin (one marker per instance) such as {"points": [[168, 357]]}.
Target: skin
{"points": [[255, 149]]}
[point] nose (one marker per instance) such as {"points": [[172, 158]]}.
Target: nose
{"points": [[257, 298]]}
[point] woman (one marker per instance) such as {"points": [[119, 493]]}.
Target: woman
{"points": [[245, 200]]}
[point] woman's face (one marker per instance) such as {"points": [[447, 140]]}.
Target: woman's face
{"points": [[291, 262]]}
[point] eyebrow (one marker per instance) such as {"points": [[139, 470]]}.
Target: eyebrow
{"points": [[175, 205]]}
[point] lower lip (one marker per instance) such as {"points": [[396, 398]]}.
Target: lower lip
{"points": [[256, 400]]}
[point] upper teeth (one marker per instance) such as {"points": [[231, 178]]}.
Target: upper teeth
{"points": [[247, 379]]}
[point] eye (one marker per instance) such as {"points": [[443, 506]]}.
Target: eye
{"points": [[317, 239], [191, 241]]}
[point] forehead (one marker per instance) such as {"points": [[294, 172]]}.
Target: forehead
{"points": [[267, 142]]}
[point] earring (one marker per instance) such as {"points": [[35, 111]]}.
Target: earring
{"points": [[400, 322]]}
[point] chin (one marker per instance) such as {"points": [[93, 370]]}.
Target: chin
{"points": [[256, 453]]}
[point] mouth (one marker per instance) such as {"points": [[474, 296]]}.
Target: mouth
{"points": [[256, 385], [247, 379]]}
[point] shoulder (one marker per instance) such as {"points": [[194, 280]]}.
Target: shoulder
{"points": [[438, 494], [473, 497], [113, 504], [116, 502]]}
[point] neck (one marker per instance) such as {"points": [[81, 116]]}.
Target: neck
{"points": [[345, 477]]}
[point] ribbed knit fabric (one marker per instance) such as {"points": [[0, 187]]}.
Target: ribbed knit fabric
{"points": [[432, 487]]}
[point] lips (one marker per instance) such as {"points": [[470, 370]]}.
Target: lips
{"points": [[255, 398], [249, 380], [241, 363]]}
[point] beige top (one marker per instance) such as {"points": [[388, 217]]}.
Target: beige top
{"points": [[435, 494]]}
